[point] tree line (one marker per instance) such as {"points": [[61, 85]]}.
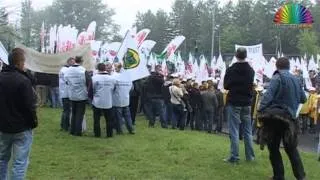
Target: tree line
{"points": [[244, 22]]}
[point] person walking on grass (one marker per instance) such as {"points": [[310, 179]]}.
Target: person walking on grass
{"points": [[278, 113], [239, 82], [78, 80], [17, 118], [63, 92]]}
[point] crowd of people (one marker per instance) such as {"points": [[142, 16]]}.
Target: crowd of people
{"points": [[179, 103]]}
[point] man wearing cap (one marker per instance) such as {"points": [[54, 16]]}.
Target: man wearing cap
{"points": [[238, 81], [153, 97], [78, 80]]}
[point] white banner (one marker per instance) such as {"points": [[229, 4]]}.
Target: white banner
{"points": [[51, 63], [253, 52], [255, 59]]}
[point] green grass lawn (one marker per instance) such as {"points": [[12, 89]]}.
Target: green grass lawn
{"points": [[150, 154]]}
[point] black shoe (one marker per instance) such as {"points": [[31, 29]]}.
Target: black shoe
{"points": [[132, 132], [319, 159]]}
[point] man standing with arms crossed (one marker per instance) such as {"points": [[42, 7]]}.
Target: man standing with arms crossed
{"points": [[239, 82], [17, 118]]}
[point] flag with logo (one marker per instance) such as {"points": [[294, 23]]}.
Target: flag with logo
{"points": [[134, 67]]}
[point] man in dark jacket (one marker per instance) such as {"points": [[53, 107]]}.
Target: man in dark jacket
{"points": [[154, 98], [17, 117], [286, 91], [195, 102], [219, 113], [239, 81]]}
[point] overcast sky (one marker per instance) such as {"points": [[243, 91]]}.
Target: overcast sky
{"points": [[126, 10]]}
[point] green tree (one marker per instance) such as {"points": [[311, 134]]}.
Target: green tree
{"points": [[26, 21], [159, 24], [80, 14], [307, 42]]}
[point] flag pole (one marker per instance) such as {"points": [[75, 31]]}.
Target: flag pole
{"points": [[213, 28]]}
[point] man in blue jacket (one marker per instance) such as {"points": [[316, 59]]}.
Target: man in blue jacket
{"points": [[286, 91], [17, 118]]}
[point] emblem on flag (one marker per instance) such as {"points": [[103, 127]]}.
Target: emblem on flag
{"points": [[132, 59]]}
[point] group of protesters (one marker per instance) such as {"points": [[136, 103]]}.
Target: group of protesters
{"points": [[178, 102], [107, 91]]}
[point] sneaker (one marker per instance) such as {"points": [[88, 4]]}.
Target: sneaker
{"points": [[132, 132], [232, 161]]}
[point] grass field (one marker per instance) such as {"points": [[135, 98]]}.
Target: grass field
{"points": [[150, 154]]}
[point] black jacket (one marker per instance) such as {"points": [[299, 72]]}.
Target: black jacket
{"points": [[239, 81], [195, 98], [166, 92], [17, 101], [153, 86]]}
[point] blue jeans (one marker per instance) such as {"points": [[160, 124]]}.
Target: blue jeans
{"points": [[17, 145], [154, 107], [237, 115], [179, 116], [55, 99], [124, 112], [167, 111]]}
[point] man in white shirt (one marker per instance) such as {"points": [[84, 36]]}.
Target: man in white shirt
{"points": [[121, 100], [77, 80], [101, 91], [64, 96]]}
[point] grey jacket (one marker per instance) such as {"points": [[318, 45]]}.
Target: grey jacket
{"points": [[209, 101]]}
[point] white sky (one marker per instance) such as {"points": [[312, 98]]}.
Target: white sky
{"points": [[126, 10]]}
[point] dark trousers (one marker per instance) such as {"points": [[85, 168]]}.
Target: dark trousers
{"points": [[78, 110], [65, 117], [107, 113], [167, 112], [117, 123], [154, 107], [219, 119], [196, 121], [134, 102], [179, 116], [208, 120], [276, 135], [193, 118]]}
